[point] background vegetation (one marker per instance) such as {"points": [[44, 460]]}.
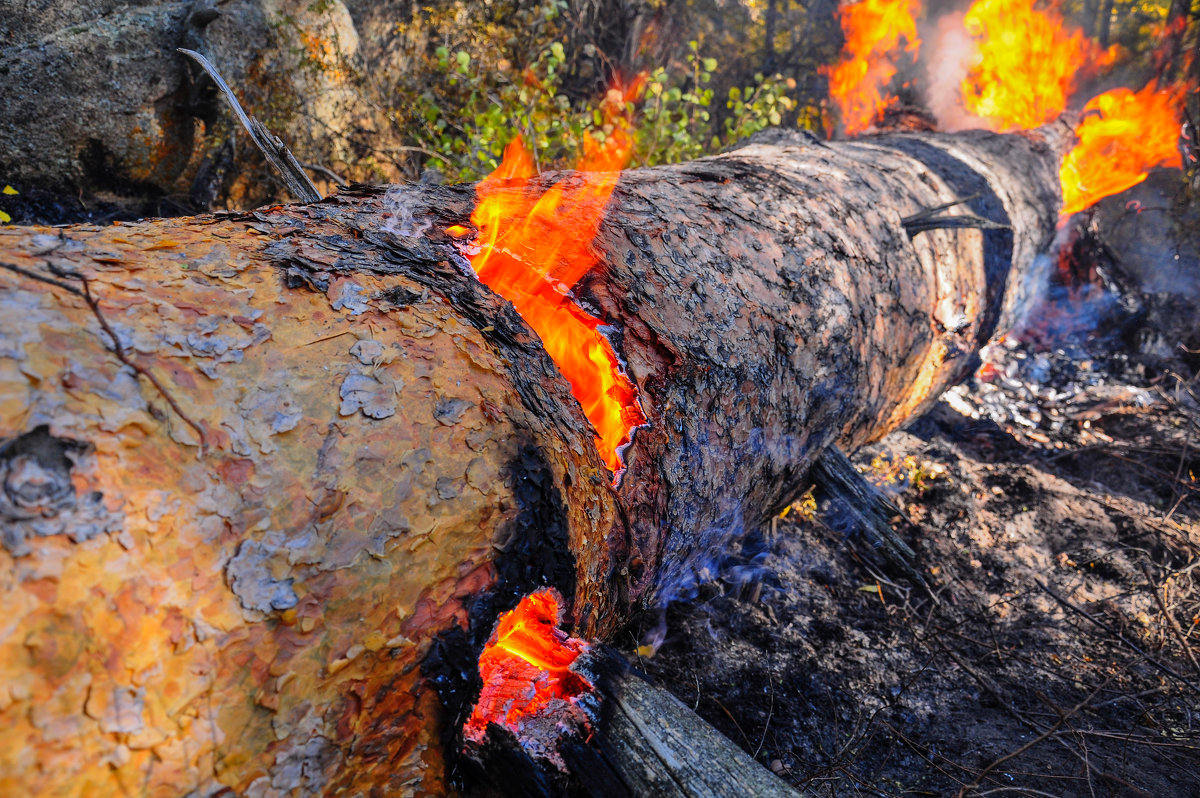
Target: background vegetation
{"points": [[391, 90]]}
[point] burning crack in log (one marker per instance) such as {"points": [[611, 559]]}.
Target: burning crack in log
{"points": [[529, 687], [560, 715], [533, 248]]}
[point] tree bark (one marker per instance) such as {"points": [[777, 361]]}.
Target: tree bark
{"points": [[269, 477]]}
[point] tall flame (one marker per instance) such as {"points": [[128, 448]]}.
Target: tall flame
{"points": [[525, 666], [873, 30], [1027, 63], [533, 249], [1123, 134]]}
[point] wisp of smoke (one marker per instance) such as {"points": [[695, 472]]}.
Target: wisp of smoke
{"points": [[947, 58], [727, 551], [399, 202]]}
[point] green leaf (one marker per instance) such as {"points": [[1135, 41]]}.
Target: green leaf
{"points": [[709, 64]]}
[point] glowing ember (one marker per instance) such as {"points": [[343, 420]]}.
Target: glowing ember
{"points": [[873, 29], [533, 249], [1027, 63], [525, 666], [1122, 136]]}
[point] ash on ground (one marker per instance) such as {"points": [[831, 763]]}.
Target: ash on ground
{"points": [[1055, 509]]}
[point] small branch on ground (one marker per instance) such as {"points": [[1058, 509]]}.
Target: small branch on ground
{"points": [[273, 149]]}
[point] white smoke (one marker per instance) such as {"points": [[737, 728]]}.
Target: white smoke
{"points": [[947, 59], [399, 201]]}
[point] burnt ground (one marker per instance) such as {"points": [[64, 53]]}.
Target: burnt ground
{"points": [[1055, 512]]}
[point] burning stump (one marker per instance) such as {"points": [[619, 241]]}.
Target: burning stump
{"points": [[291, 465]]}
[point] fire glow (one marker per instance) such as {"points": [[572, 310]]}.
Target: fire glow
{"points": [[525, 666], [1023, 69], [1026, 64], [1122, 135], [533, 249], [874, 29]]}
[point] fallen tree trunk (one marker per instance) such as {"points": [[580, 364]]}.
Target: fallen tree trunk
{"points": [[269, 477]]}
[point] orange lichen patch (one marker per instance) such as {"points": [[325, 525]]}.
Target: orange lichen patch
{"points": [[525, 666], [321, 53], [874, 31], [1123, 135], [1027, 64], [533, 248]]}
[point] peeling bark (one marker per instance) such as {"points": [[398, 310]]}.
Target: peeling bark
{"points": [[317, 457]]}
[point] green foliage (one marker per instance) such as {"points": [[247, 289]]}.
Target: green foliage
{"points": [[470, 127], [674, 119]]}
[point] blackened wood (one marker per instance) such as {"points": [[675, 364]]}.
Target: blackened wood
{"points": [[870, 510]]}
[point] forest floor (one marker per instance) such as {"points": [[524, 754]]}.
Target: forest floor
{"points": [[1055, 512]]}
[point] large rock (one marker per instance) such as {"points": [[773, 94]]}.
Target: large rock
{"points": [[98, 101], [97, 105], [94, 95]]}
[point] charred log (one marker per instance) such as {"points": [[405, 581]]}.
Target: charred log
{"points": [[869, 508], [304, 458]]}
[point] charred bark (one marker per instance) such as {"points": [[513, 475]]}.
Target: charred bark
{"points": [[269, 477]]}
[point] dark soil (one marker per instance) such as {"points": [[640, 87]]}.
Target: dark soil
{"points": [[1056, 650], [34, 206]]}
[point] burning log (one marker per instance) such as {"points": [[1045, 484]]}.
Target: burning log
{"points": [[269, 478]]}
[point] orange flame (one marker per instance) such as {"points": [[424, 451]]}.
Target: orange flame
{"points": [[1027, 63], [533, 249], [525, 666], [1122, 136], [873, 29]]}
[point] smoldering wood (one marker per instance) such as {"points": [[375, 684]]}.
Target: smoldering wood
{"points": [[642, 742], [278, 579], [870, 510]]}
